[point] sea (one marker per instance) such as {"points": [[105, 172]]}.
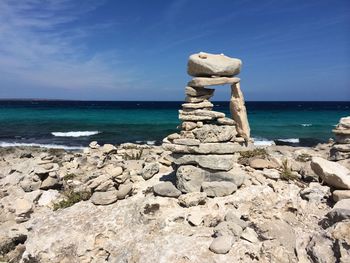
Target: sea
{"points": [[74, 124]]}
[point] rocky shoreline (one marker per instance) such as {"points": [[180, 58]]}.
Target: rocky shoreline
{"points": [[207, 194], [121, 204]]}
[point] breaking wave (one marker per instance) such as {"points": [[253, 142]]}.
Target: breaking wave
{"points": [[306, 124], [47, 146], [292, 140], [75, 133]]}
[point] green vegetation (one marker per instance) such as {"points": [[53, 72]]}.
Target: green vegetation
{"points": [[71, 198], [304, 157], [70, 176], [286, 173], [133, 155], [246, 155]]}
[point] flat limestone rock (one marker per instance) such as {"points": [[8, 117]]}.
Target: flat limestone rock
{"points": [[104, 198], [332, 173], [205, 64], [191, 99], [206, 148], [166, 189], [195, 118], [214, 162], [200, 112], [199, 91], [203, 82], [190, 142], [200, 105], [221, 244], [214, 133]]}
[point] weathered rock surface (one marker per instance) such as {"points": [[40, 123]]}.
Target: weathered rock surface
{"points": [[221, 244], [216, 189], [205, 64], [166, 189], [203, 82], [332, 173], [214, 162]]}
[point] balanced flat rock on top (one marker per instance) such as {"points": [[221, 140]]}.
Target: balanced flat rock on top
{"points": [[205, 64]]}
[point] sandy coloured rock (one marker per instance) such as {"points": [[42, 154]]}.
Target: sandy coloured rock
{"points": [[205, 64]]}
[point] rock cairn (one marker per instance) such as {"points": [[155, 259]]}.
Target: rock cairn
{"points": [[205, 149], [341, 147]]}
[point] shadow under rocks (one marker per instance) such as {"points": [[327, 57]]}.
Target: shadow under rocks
{"points": [[170, 177]]}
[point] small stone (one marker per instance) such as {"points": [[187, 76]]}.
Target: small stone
{"points": [[221, 244], [225, 121], [258, 163], [48, 197], [114, 171], [218, 189], [166, 189], [214, 133], [315, 193], [228, 228], [150, 170], [189, 178], [340, 195], [50, 183], [104, 198], [195, 218], [250, 235], [340, 211], [188, 126], [108, 148], [231, 216], [94, 145], [22, 207], [124, 190], [271, 173], [173, 136], [193, 199], [199, 91]]}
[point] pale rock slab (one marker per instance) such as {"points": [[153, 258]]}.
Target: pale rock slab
{"points": [[204, 82], [192, 199], [104, 198], [239, 112], [221, 244], [166, 189], [199, 91], [205, 64], [332, 173], [214, 162], [200, 105]]}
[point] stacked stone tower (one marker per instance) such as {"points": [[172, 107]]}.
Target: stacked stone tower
{"points": [[204, 150], [341, 148]]}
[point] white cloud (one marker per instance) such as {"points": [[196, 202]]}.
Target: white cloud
{"points": [[42, 43]]}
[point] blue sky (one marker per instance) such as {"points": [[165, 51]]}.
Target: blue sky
{"points": [[138, 50]]}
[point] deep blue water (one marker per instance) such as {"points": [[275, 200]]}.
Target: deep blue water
{"points": [[117, 122]]}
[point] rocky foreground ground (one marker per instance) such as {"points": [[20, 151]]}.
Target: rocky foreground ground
{"points": [[121, 204]]}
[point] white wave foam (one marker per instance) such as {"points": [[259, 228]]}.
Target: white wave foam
{"points": [[306, 124], [151, 142], [75, 133], [292, 140], [263, 142], [47, 146]]}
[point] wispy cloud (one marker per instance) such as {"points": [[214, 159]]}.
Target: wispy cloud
{"points": [[42, 44]]}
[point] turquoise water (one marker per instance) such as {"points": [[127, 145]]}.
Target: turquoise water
{"points": [[48, 122]]}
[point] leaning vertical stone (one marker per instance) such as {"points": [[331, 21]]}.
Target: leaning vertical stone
{"points": [[239, 112]]}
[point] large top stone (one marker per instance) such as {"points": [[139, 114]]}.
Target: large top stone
{"points": [[205, 64]]}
